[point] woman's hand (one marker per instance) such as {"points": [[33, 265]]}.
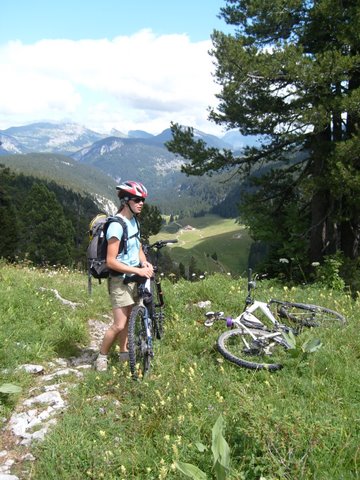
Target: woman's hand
{"points": [[146, 270]]}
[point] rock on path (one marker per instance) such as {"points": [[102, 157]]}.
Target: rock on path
{"points": [[48, 399]]}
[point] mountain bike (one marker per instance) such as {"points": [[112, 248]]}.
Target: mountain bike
{"points": [[147, 317], [260, 341]]}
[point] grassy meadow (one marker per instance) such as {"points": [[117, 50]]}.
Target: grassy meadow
{"points": [[209, 235], [299, 423]]}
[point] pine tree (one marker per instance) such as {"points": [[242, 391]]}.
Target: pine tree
{"points": [[182, 272], [9, 227], [193, 270], [150, 221], [290, 74], [48, 235]]}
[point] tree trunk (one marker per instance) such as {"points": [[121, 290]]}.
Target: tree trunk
{"points": [[350, 229], [350, 238], [323, 232], [318, 226]]}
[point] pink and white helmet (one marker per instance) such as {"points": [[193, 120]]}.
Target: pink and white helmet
{"points": [[132, 189]]}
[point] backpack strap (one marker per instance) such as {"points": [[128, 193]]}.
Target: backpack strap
{"points": [[137, 234], [124, 239]]}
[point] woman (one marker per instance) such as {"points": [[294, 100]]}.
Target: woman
{"points": [[132, 196]]}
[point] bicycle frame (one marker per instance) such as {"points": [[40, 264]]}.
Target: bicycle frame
{"points": [[247, 321], [248, 315], [160, 293]]}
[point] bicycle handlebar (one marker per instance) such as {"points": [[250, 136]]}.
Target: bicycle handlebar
{"points": [[162, 243]]}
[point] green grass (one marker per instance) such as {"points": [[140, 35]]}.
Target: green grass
{"points": [[299, 423], [212, 234]]}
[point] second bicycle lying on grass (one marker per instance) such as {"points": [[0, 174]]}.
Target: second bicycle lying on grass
{"points": [[260, 341]]}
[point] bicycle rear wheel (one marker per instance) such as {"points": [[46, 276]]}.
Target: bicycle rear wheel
{"points": [[252, 349], [140, 348], [307, 315]]}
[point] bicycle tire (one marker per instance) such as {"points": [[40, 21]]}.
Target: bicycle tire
{"points": [[230, 348], [308, 315], [140, 352]]}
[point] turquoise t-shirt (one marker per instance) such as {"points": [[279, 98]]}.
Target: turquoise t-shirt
{"points": [[133, 245]]}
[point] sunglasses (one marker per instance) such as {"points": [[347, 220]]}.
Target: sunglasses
{"points": [[138, 199]]}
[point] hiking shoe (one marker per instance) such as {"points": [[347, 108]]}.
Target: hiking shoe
{"points": [[123, 356], [101, 363]]}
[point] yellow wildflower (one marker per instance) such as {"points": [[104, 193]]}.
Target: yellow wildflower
{"points": [[162, 473]]}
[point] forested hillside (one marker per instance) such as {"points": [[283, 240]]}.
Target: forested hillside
{"points": [[42, 220], [170, 190], [151, 163], [47, 223]]}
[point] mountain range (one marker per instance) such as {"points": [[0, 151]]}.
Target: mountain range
{"points": [[68, 138], [136, 155]]}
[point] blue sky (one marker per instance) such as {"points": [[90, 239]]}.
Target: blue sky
{"points": [[110, 64], [31, 20]]}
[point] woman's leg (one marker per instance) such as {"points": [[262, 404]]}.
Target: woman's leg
{"points": [[119, 329], [120, 294]]}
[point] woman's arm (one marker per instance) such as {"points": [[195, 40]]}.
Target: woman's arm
{"points": [[114, 264]]}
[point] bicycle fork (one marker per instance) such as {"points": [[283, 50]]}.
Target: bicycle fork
{"points": [[147, 327], [160, 294]]}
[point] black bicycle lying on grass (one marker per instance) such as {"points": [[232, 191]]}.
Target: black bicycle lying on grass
{"points": [[146, 321], [259, 341]]}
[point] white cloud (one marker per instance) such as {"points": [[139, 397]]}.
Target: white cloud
{"points": [[142, 81]]}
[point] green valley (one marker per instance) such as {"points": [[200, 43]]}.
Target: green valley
{"points": [[217, 244]]}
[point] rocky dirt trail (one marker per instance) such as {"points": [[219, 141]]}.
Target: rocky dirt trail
{"points": [[45, 403]]}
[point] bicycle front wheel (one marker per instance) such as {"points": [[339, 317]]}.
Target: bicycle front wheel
{"points": [[139, 342], [252, 348], [307, 315]]}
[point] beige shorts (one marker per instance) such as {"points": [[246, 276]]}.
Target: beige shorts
{"points": [[122, 295]]}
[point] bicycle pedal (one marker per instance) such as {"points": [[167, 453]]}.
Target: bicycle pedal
{"points": [[209, 322]]}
